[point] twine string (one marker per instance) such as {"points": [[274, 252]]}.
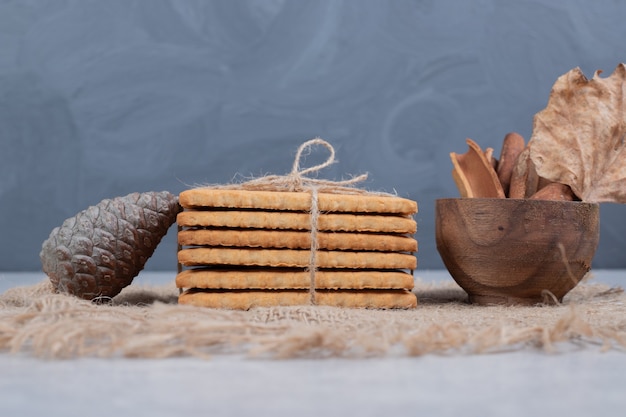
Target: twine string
{"points": [[312, 268], [295, 170], [298, 181]]}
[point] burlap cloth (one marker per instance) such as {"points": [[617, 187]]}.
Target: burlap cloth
{"points": [[147, 322]]}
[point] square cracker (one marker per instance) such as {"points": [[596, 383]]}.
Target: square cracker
{"points": [[203, 256], [291, 278], [260, 238], [298, 201], [256, 219], [245, 300]]}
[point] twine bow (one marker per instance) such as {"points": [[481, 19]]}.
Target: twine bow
{"points": [[297, 180]]}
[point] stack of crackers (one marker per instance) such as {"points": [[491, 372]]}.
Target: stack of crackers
{"points": [[240, 249]]}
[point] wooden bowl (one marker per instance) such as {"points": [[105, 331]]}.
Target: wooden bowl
{"points": [[516, 251]]}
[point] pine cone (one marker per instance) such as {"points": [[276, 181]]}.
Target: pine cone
{"points": [[102, 249]]}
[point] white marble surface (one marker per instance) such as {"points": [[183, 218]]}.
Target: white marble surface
{"points": [[515, 384], [576, 383]]}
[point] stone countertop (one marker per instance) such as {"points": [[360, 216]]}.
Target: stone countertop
{"points": [[579, 382]]}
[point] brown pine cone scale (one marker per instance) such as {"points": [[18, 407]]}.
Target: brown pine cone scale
{"points": [[101, 250]]}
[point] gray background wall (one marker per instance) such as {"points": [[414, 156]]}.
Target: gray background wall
{"points": [[103, 98]]}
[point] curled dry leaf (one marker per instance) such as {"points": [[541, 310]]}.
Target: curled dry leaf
{"points": [[492, 159], [474, 174], [579, 138], [554, 191], [512, 145], [524, 179]]}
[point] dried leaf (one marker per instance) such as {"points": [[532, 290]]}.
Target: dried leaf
{"points": [[524, 179], [578, 139], [492, 159], [554, 191], [474, 174], [512, 146]]}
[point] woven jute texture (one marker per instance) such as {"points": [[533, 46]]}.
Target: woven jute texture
{"points": [[147, 322]]}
